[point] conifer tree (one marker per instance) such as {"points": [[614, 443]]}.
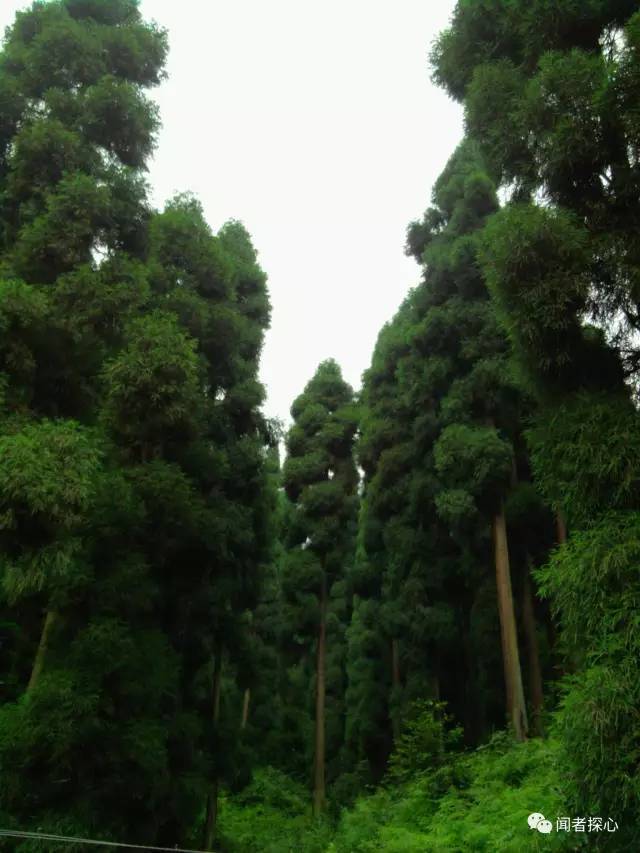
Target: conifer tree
{"points": [[566, 133], [441, 441], [219, 296], [472, 459], [549, 94], [385, 620], [320, 479]]}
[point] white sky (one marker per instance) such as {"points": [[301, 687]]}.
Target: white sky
{"points": [[316, 124]]}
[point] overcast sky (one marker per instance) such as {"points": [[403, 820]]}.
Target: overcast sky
{"points": [[316, 124]]}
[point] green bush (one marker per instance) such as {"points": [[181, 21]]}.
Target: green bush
{"points": [[484, 807], [271, 815], [424, 742]]}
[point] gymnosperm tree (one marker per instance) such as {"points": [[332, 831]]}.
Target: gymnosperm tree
{"points": [[460, 370], [551, 96], [583, 452], [216, 290], [442, 449], [376, 639], [320, 479]]}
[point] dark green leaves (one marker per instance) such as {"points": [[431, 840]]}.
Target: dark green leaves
{"points": [[152, 385]]}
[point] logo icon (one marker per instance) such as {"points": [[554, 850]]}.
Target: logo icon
{"points": [[536, 820]]}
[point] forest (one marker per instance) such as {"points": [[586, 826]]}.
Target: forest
{"points": [[408, 621]]}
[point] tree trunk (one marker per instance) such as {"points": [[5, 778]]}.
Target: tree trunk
{"points": [[217, 682], [561, 527], [516, 709], [49, 621], [395, 684], [245, 708], [211, 816], [563, 664], [473, 714], [434, 688], [212, 798], [531, 637], [319, 775]]}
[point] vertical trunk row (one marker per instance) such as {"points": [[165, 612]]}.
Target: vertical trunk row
{"points": [[212, 799], [561, 666], [319, 766], [38, 662], [516, 709], [395, 684], [245, 708], [561, 527], [533, 654], [473, 714]]}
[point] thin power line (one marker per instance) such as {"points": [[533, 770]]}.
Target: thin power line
{"points": [[68, 839]]}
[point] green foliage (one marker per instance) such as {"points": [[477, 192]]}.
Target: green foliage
{"points": [[185, 252], [593, 585], [547, 97], [134, 516], [537, 266], [426, 738], [550, 106], [479, 801], [476, 458], [319, 519], [574, 468], [271, 814], [166, 591], [441, 436], [152, 385], [49, 472]]}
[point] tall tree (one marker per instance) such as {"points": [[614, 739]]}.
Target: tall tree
{"points": [[320, 479], [377, 640], [441, 439], [549, 94], [475, 397], [565, 134], [147, 556]]}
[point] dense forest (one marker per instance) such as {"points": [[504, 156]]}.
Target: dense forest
{"points": [[410, 621]]}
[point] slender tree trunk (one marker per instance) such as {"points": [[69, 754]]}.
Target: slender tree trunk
{"points": [[533, 654], [516, 709], [474, 710], [211, 816], [217, 683], [49, 621], [561, 527], [212, 798], [562, 664], [319, 766], [245, 708], [395, 684], [434, 681]]}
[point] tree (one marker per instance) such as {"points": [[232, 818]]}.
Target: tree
{"points": [[478, 401], [218, 437], [549, 96], [441, 443], [561, 254], [129, 364], [320, 479]]}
